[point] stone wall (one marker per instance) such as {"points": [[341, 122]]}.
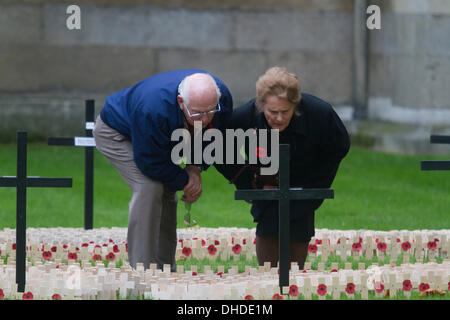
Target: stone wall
{"points": [[47, 71]]}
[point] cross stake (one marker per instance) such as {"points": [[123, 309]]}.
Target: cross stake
{"points": [[436, 164], [88, 143], [21, 182], [284, 194]]}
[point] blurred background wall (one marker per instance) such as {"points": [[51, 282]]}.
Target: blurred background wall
{"points": [[391, 86]]}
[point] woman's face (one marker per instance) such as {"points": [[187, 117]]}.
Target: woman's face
{"points": [[278, 112]]}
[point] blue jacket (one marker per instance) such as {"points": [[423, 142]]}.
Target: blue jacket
{"points": [[147, 114]]}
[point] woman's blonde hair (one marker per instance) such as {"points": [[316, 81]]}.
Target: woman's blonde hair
{"points": [[279, 82]]}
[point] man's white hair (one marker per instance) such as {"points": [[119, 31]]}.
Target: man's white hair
{"points": [[183, 88]]}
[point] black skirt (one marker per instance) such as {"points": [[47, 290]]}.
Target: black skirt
{"points": [[265, 214]]}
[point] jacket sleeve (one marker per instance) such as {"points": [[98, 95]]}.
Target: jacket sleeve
{"points": [[152, 150], [334, 145]]}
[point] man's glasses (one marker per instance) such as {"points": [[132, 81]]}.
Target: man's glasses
{"points": [[199, 114]]}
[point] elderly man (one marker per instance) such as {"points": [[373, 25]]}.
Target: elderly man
{"points": [[133, 131]]}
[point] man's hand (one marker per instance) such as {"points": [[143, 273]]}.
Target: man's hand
{"points": [[193, 189]]}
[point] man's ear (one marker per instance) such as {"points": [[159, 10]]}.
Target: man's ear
{"points": [[180, 102]]}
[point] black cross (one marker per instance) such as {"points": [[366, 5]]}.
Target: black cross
{"points": [[21, 182], [284, 194], [88, 143], [436, 164]]}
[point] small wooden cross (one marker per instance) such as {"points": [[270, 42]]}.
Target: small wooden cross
{"points": [[21, 182], [284, 194], [88, 143], [437, 164]]}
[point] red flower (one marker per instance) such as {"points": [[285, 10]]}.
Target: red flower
{"points": [[312, 248], [356, 246], [65, 246], [381, 246], [72, 256], [203, 242], [27, 296], [277, 296], [431, 245], [53, 249], [379, 286], [97, 257], [85, 244], [186, 251], [322, 289], [407, 285], [249, 297], [46, 255], [237, 248], [220, 274], [2, 295], [116, 248], [14, 246], [212, 249], [318, 241], [350, 289], [293, 290], [423, 287], [56, 296], [333, 270], [406, 246], [110, 256], [398, 240], [194, 273], [448, 286], [261, 152], [217, 242]]}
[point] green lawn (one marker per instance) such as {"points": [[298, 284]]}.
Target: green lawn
{"points": [[372, 191]]}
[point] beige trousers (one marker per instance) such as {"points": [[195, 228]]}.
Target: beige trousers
{"points": [[152, 222]]}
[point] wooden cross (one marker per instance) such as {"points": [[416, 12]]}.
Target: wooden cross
{"points": [[284, 194], [437, 164], [88, 143], [21, 182]]}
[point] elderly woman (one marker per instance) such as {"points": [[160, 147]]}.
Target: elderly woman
{"points": [[318, 142]]}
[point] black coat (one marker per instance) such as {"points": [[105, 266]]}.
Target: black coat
{"points": [[318, 142]]}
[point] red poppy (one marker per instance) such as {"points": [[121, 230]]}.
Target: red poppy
{"points": [[110, 256], [2, 295], [350, 289], [46, 255], [379, 287], [56, 296], [212, 249], [406, 246], [84, 245], [293, 290], [431, 245], [194, 273], [407, 285], [448, 286], [116, 248], [53, 249], [217, 242], [254, 241], [381, 246], [97, 257], [312, 248], [220, 274], [72, 256], [277, 296], [318, 241], [261, 152], [27, 296], [65, 246], [186, 251], [203, 242], [237, 248], [333, 270], [423, 287], [249, 297], [14, 246], [398, 240], [322, 289], [356, 246]]}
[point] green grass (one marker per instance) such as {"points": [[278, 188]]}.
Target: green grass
{"points": [[373, 190]]}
